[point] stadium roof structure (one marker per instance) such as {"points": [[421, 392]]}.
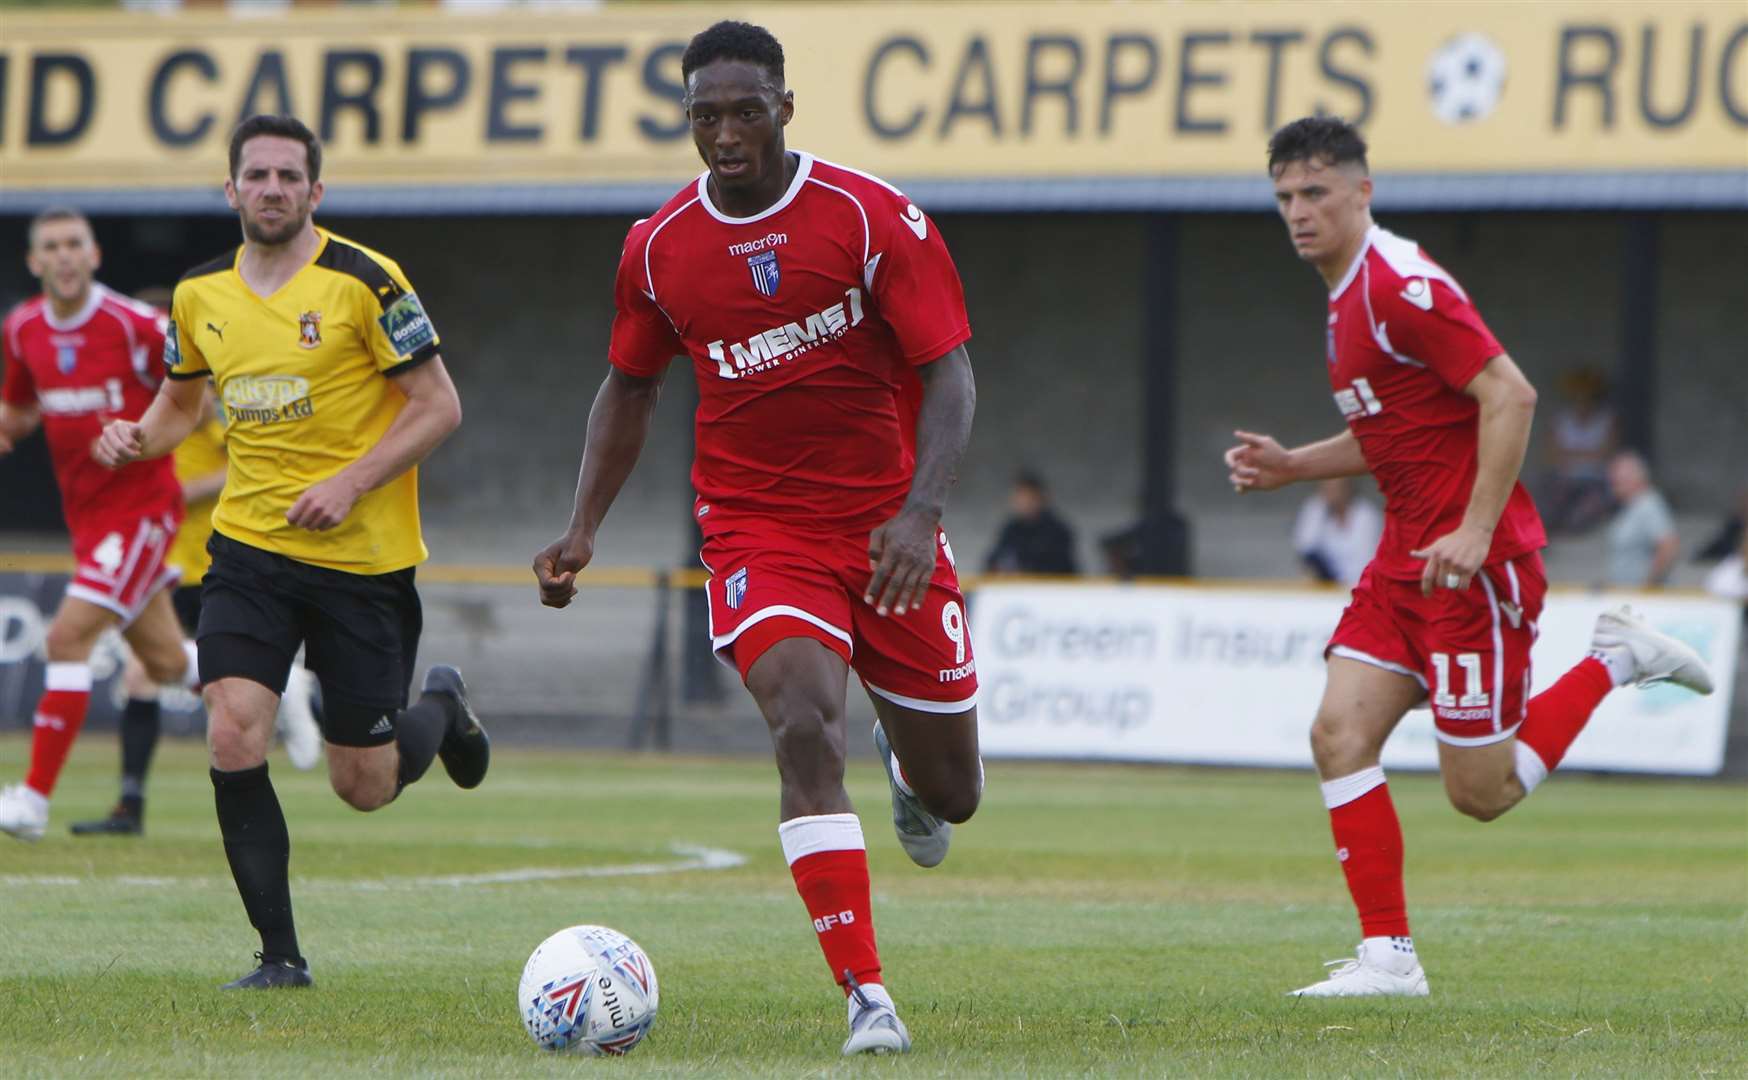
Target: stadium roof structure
{"points": [[1661, 190]]}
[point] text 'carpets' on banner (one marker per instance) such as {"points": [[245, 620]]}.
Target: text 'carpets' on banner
{"points": [[917, 92]]}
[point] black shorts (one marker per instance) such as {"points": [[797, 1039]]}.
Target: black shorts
{"points": [[360, 634], [186, 601]]}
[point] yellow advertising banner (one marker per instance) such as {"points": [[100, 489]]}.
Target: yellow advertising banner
{"points": [[423, 98]]}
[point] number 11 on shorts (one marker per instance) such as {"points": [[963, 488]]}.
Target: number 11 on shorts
{"points": [[1474, 693]]}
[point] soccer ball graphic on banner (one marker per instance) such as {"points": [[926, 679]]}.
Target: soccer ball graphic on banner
{"points": [[590, 989], [1465, 78]]}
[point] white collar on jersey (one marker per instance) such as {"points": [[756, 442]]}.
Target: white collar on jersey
{"points": [[803, 166], [92, 303], [1359, 258]]}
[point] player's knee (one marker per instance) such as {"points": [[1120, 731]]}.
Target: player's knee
{"points": [[69, 642], [1477, 805], [798, 721], [165, 666], [231, 746], [956, 806], [363, 794], [808, 736], [1337, 748]]}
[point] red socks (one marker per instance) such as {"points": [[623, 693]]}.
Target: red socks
{"points": [[1368, 836], [1368, 841], [1556, 716], [59, 716], [829, 860]]}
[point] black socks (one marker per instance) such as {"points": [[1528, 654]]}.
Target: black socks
{"points": [[139, 736], [419, 733], [259, 850]]}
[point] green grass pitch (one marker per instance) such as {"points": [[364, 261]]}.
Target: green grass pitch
{"points": [[1092, 921]]}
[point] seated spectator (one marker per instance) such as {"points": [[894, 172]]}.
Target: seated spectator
{"points": [[1642, 544], [1584, 437], [1336, 534], [1034, 540]]}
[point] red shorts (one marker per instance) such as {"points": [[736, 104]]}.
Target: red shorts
{"points": [[765, 587], [1469, 650], [121, 562]]}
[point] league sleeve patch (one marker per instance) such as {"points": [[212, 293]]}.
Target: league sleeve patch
{"points": [[408, 328], [172, 346]]}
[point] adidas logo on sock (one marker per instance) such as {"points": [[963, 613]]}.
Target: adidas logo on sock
{"points": [[383, 727]]}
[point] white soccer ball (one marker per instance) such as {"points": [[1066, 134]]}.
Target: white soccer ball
{"points": [[588, 988], [1465, 78]]}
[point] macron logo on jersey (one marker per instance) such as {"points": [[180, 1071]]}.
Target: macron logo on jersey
{"points": [[766, 350], [914, 220], [1418, 292], [753, 247]]}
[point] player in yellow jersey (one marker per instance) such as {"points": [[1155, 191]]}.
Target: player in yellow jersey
{"points": [[200, 469], [334, 391]]}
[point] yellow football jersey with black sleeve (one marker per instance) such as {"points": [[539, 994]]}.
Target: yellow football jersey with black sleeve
{"points": [[301, 375], [201, 454]]}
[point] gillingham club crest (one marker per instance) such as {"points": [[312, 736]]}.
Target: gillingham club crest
{"points": [[764, 270], [309, 329]]}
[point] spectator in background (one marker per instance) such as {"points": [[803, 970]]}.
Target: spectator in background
{"points": [[1585, 437], [1641, 539], [1034, 540], [1336, 534]]}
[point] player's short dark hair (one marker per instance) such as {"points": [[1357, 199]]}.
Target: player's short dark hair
{"points": [[1030, 478], [1326, 139], [730, 40], [286, 127], [53, 213]]}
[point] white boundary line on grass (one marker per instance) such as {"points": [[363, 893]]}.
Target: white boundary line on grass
{"points": [[691, 857]]}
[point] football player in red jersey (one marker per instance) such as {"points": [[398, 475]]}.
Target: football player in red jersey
{"points": [[1439, 414], [75, 357], [826, 325]]}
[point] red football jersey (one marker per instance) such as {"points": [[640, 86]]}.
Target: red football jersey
{"points": [[104, 363], [804, 324], [1403, 342]]}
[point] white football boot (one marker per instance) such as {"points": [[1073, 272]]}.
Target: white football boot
{"points": [[23, 812], [874, 1024], [296, 720], [1377, 970], [923, 836], [1639, 656]]}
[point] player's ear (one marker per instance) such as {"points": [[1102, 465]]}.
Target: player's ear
{"points": [[786, 111], [231, 193], [316, 190], [1366, 192], [96, 256]]}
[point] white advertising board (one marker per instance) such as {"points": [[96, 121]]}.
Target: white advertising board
{"points": [[1232, 676]]}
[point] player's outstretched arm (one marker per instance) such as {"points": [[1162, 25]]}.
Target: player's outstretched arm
{"points": [[16, 424], [1508, 405], [432, 411], [901, 553], [168, 420], [1259, 463], [618, 427]]}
